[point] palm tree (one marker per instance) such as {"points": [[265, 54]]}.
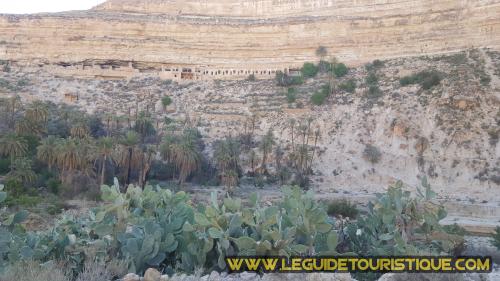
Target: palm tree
{"points": [[227, 157], [25, 127], [13, 146], [47, 151], [266, 147], [68, 157], [253, 159], [37, 112], [13, 106], [186, 155], [147, 156], [105, 148], [21, 171], [128, 146], [144, 126], [80, 130]]}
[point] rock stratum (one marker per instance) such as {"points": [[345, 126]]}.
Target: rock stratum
{"points": [[228, 38]]}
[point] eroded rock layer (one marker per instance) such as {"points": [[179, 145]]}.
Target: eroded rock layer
{"points": [[237, 38]]}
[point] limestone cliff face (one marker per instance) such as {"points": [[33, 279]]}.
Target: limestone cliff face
{"points": [[246, 35]]}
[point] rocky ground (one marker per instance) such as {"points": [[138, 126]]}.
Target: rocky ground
{"points": [[449, 133]]}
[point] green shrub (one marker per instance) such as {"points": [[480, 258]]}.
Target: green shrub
{"points": [[291, 95], [326, 90], [340, 69], [374, 93], [318, 98], [309, 70], [285, 80], [455, 229], [426, 79], [153, 227], [372, 154], [342, 208], [54, 185], [398, 223], [23, 200], [348, 86], [4, 166], [371, 79]]}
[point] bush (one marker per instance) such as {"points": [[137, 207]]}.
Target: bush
{"points": [[154, 227], [340, 69], [30, 271], [318, 98], [326, 90], [4, 166], [251, 77], [166, 101], [342, 208], [426, 79], [372, 154], [284, 80], [309, 70], [54, 185], [291, 95], [371, 79], [374, 92], [348, 86], [380, 231]]}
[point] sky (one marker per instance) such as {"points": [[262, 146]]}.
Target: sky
{"points": [[41, 6]]}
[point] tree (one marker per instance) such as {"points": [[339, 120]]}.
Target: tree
{"points": [[13, 146], [309, 70], [227, 157], [146, 160], [21, 171], [68, 158], [128, 146], [340, 69], [186, 156], [80, 130], [144, 126], [318, 98], [37, 112], [34, 121], [47, 151], [165, 102], [266, 147], [105, 147], [13, 106], [321, 52]]}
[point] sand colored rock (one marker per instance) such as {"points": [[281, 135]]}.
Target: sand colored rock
{"points": [[232, 39]]}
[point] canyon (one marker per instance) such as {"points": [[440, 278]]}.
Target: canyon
{"points": [[122, 57]]}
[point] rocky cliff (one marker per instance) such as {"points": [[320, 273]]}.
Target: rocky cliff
{"points": [[240, 37]]}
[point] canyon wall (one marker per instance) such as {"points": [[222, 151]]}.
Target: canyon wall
{"points": [[252, 36]]}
